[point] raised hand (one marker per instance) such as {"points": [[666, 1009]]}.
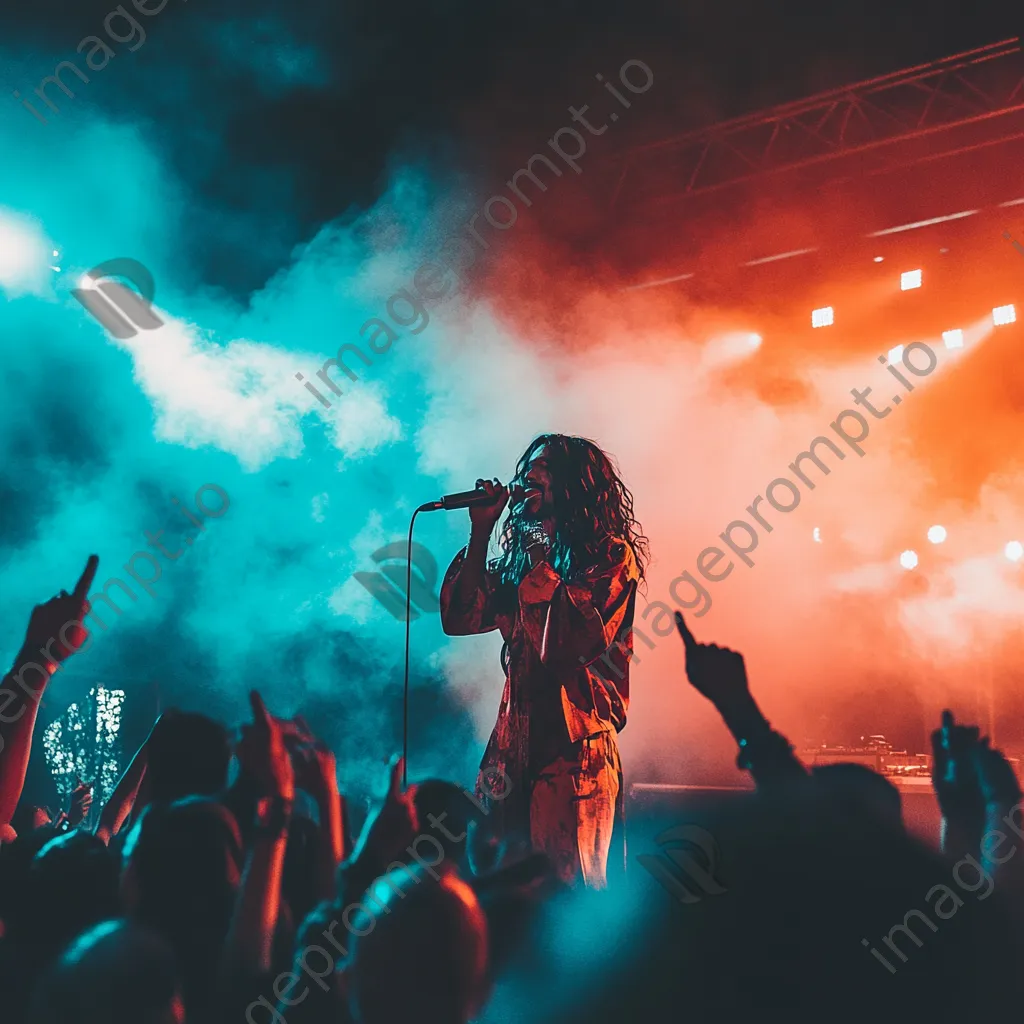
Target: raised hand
{"points": [[997, 780], [956, 783], [81, 803], [54, 626], [485, 517], [395, 825], [316, 768], [263, 754], [716, 672], [953, 774]]}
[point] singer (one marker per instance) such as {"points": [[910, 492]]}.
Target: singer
{"points": [[562, 593]]}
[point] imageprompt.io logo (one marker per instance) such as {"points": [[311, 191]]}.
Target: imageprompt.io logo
{"points": [[678, 870], [388, 585], [120, 310]]}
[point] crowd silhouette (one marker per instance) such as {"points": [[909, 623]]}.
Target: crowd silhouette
{"points": [[202, 894]]}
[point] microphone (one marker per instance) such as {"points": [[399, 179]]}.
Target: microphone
{"points": [[469, 499]]}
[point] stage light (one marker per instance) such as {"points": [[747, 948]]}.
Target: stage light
{"points": [[909, 560], [22, 252], [953, 339], [937, 534], [1003, 315], [896, 354], [731, 348], [910, 279], [879, 259], [817, 534], [1014, 551], [823, 317]]}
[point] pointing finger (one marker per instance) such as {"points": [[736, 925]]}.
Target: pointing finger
{"points": [[688, 639], [395, 769], [85, 580], [260, 714]]}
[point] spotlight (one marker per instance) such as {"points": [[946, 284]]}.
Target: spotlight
{"points": [[22, 251], [755, 340], [909, 559], [937, 534], [910, 279], [879, 259], [817, 535], [1003, 315], [896, 354], [953, 339], [823, 317], [1014, 551]]}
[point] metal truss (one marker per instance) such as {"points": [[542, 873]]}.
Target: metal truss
{"points": [[972, 87]]}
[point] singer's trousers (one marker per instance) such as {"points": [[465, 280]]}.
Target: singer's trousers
{"points": [[572, 810]]}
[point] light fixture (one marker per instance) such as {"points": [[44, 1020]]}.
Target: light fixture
{"points": [[823, 317], [755, 340], [909, 560], [817, 535], [896, 354], [1003, 315], [953, 339], [937, 534], [910, 279], [1014, 551], [879, 259]]}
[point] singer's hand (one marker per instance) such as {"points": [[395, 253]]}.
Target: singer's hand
{"points": [[484, 517]]}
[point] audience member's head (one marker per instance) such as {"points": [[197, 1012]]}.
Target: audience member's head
{"points": [[423, 958], [116, 973], [181, 870], [72, 884], [187, 755], [445, 812], [857, 789], [17, 860]]}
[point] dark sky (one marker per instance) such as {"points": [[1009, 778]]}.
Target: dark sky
{"points": [[460, 84]]}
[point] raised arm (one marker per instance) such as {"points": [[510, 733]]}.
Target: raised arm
{"points": [[720, 675], [55, 632], [387, 834], [316, 771], [262, 753], [980, 799], [116, 810], [467, 594], [1004, 812]]}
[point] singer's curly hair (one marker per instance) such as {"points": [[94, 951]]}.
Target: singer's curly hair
{"points": [[591, 503]]}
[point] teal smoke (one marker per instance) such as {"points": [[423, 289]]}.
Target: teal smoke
{"points": [[100, 435]]}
